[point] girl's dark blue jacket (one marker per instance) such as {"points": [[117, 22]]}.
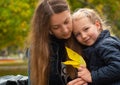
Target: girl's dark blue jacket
{"points": [[103, 60]]}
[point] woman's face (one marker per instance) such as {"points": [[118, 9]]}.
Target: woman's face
{"points": [[61, 25], [85, 31]]}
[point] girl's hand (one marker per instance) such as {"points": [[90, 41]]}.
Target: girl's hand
{"points": [[77, 81], [84, 73]]}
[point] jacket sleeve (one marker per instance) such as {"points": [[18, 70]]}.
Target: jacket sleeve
{"points": [[109, 51]]}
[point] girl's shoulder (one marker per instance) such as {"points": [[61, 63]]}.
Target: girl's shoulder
{"points": [[110, 40], [109, 43]]}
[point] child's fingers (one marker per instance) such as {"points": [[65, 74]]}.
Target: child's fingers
{"points": [[81, 68]]}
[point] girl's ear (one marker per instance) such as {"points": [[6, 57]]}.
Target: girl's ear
{"points": [[98, 24]]}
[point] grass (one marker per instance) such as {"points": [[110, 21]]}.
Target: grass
{"points": [[13, 67]]}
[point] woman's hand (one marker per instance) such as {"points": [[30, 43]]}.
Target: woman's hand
{"points": [[77, 81]]}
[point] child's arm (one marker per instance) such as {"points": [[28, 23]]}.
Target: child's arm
{"points": [[109, 73]]}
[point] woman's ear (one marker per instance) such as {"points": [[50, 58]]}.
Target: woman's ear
{"points": [[50, 32]]}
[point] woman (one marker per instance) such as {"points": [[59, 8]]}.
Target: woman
{"points": [[51, 27]]}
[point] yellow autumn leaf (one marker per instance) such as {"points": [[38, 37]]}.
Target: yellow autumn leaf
{"points": [[76, 59]]}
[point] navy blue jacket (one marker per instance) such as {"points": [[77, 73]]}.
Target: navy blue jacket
{"points": [[103, 60]]}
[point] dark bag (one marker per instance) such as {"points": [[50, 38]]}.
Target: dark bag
{"points": [[14, 80]]}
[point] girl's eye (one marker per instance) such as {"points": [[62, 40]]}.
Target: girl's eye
{"points": [[86, 28]]}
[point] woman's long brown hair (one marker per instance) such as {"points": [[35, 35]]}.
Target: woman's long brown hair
{"points": [[40, 52]]}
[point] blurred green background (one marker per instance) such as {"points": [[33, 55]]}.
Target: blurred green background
{"points": [[15, 17]]}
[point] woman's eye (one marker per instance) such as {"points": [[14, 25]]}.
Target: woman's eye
{"points": [[55, 27], [66, 22]]}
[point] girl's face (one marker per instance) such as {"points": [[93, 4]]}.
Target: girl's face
{"points": [[85, 31], [61, 25]]}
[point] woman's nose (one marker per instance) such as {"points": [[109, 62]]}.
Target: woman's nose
{"points": [[65, 29]]}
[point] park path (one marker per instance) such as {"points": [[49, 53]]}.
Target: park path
{"points": [[13, 67]]}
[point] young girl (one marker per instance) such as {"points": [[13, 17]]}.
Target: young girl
{"points": [[51, 27], [100, 49]]}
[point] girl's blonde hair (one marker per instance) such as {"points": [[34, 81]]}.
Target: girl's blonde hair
{"points": [[91, 14]]}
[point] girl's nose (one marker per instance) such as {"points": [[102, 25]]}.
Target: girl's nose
{"points": [[83, 35]]}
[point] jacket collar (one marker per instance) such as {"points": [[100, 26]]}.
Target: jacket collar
{"points": [[104, 34], [53, 39]]}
